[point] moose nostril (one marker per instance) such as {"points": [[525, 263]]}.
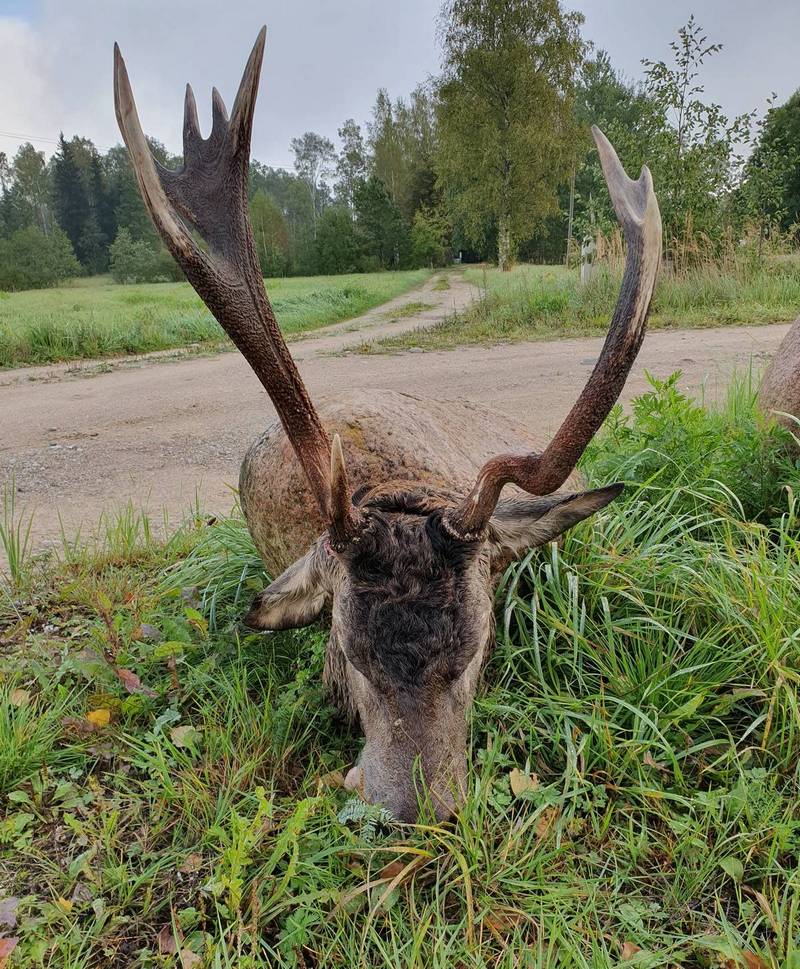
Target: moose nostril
{"points": [[354, 780]]}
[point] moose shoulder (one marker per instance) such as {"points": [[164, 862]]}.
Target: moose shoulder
{"points": [[404, 547]]}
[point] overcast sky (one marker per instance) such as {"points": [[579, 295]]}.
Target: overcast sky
{"points": [[325, 59]]}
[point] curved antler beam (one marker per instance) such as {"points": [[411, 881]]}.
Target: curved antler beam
{"points": [[541, 474]]}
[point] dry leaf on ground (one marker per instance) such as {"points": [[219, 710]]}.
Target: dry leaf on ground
{"points": [[521, 782]]}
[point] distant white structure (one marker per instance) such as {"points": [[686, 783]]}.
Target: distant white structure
{"points": [[588, 253]]}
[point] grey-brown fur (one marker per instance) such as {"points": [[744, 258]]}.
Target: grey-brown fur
{"points": [[779, 394]]}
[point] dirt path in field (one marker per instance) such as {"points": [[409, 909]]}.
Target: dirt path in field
{"points": [[164, 431]]}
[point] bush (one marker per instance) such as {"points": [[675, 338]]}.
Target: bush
{"points": [[270, 235], [137, 261], [31, 259], [731, 456]]}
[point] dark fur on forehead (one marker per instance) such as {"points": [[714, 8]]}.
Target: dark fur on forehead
{"points": [[404, 497], [407, 625]]}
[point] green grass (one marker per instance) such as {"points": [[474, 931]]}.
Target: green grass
{"points": [[645, 679], [408, 309], [547, 302], [96, 317]]}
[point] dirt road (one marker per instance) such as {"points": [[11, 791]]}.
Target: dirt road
{"points": [[166, 430]]}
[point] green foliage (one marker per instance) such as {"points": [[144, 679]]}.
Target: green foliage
{"points": [[402, 137], [29, 259], [694, 154], [26, 745], [351, 165], [81, 202], [314, 161], [771, 188], [497, 143], [381, 225], [27, 188], [671, 443], [339, 245], [270, 234], [629, 118], [292, 197], [431, 234], [139, 261], [15, 536], [506, 126], [124, 198]]}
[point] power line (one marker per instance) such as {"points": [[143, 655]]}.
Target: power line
{"points": [[18, 136]]}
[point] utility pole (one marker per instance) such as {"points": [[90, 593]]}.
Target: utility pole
{"points": [[571, 213]]}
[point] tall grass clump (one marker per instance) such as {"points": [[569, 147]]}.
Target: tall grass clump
{"points": [[15, 536], [223, 568]]}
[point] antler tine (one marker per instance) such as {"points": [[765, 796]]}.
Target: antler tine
{"points": [[144, 165], [540, 474], [209, 193], [346, 522], [191, 123], [241, 123], [219, 115]]}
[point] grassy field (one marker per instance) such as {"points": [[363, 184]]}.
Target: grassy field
{"points": [[96, 317], [546, 302], [170, 784]]}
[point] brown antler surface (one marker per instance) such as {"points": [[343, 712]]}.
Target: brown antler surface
{"points": [[540, 474], [208, 195], [346, 521]]}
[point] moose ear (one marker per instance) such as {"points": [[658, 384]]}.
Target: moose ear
{"points": [[296, 598], [522, 523]]}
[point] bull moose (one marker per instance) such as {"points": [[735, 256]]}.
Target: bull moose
{"points": [[411, 543]]}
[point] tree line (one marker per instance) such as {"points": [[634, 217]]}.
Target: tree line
{"points": [[491, 159]]}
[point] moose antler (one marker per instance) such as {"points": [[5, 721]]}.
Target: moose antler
{"points": [[209, 195], [541, 474]]}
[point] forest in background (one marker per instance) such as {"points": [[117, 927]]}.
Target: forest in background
{"points": [[493, 158]]}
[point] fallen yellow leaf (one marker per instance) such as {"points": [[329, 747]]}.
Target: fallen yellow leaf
{"points": [[100, 718], [64, 904], [20, 698], [184, 736], [520, 783], [7, 946], [546, 821]]}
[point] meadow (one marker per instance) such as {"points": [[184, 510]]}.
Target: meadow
{"points": [[95, 317], [171, 784], [547, 302]]}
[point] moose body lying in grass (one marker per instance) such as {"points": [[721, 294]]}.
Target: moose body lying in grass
{"points": [[405, 550]]}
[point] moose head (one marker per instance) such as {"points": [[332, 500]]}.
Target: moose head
{"points": [[407, 570]]}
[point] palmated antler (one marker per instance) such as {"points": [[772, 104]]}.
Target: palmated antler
{"points": [[541, 474], [209, 195]]}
